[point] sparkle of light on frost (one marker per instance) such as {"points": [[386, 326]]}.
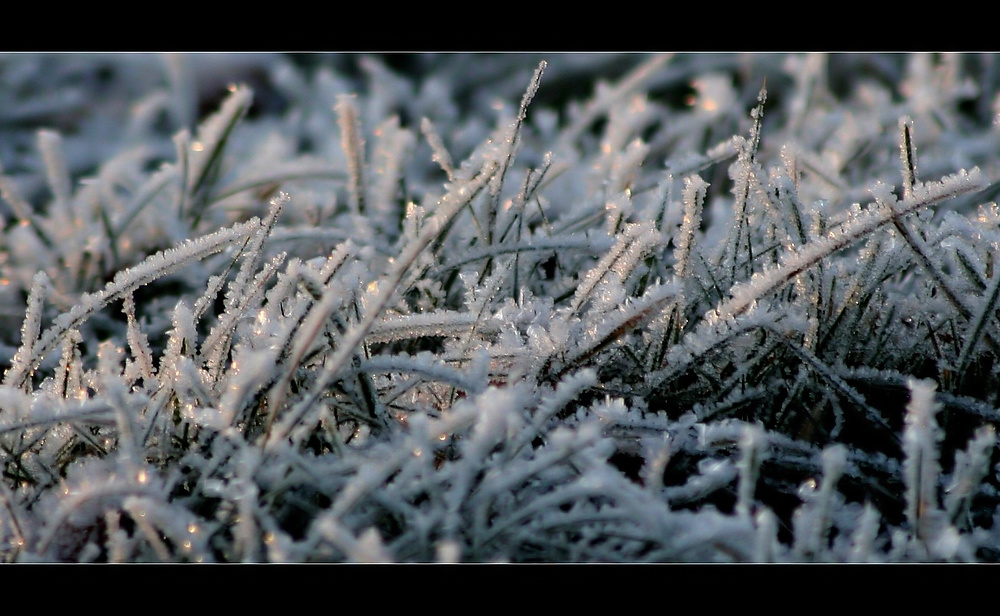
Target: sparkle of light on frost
{"points": [[187, 545], [192, 528], [269, 538], [372, 287], [418, 452], [198, 146], [708, 104], [442, 437], [143, 478]]}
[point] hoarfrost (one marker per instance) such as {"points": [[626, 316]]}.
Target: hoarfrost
{"points": [[548, 330]]}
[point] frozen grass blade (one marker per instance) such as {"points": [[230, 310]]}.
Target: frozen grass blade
{"points": [[449, 206], [977, 325], [744, 294], [633, 244], [32, 324], [50, 143], [814, 519], [971, 467], [753, 445], [441, 155], [125, 283], [694, 201], [354, 148], [921, 467], [632, 316], [205, 166]]}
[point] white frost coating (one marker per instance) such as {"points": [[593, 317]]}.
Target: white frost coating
{"points": [[392, 144], [634, 242], [387, 428], [244, 379], [32, 322], [498, 419], [616, 324], [214, 132], [448, 552], [14, 403], [743, 295], [369, 548], [354, 149], [309, 335], [441, 155], [217, 343], [920, 446], [57, 173], [609, 294], [711, 332], [497, 413], [834, 461], [425, 365], [766, 546], [419, 325], [137, 341], [566, 391], [694, 200], [864, 535], [448, 207], [882, 193], [126, 282], [971, 467], [814, 519], [109, 360], [625, 166], [239, 291], [182, 338], [753, 445]]}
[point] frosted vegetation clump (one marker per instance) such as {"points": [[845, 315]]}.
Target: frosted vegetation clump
{"points": [[499, 308]]}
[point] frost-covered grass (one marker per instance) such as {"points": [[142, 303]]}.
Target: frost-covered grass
{"points": [[499, 307]]}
